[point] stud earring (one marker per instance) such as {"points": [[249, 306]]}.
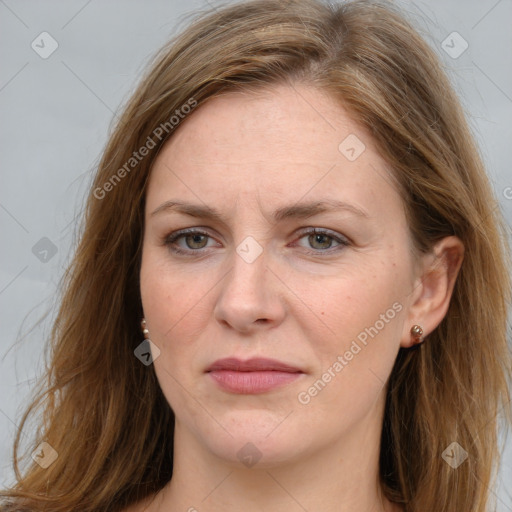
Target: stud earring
{"points": [[416, 333], [145, 331]]}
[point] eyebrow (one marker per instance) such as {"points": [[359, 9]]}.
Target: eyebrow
{"points": [[295, 211]]}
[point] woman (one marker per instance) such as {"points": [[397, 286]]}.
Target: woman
{"points": [[290, 291]]}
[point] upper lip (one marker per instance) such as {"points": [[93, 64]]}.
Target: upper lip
{"points": [[252, 365]]}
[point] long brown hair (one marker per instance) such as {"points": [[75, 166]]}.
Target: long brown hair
{"points": [[103, 411]]}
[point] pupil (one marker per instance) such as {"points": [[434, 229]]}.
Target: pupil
{"points": [[322, 240], [195, 241]]}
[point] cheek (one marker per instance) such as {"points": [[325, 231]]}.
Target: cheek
{"points": [[345, 307], [355, 336], [171, 297], [356, 355], [174, 307]]}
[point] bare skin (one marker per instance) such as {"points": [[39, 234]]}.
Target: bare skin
{"points": [[287, 293]]}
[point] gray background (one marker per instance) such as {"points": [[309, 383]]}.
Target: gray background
{"points": [[56, 114]]}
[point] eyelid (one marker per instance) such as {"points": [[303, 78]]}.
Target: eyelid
{"points": [[324, 231], [186, 231]]}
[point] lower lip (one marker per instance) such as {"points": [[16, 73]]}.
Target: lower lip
{"points": [[252, 382]]}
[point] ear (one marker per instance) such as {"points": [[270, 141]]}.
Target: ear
{"points": [[433, 287]]}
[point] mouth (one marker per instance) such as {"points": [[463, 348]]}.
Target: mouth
{"points": [[257, 375]]}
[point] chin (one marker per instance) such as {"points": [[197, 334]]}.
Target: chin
{"points": [[257, 439]]}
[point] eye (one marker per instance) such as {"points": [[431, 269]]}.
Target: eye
{"points": [[315, 240], [322, 240], [187, 241]]}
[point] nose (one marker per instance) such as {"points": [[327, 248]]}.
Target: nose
{"points": [[250, 298]]}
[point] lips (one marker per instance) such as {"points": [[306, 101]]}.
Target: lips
{"points": [[252, 365], [257, 375]]}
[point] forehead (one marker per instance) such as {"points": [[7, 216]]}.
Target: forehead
{"points": [[282, 122], [286, 141]]}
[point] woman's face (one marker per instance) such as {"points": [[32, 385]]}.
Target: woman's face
{"points": [[273, 230]]}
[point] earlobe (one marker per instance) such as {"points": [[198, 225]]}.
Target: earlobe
{"points": [[433, 289]]}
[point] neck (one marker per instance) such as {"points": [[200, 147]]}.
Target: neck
{"points": [[342, 477]]}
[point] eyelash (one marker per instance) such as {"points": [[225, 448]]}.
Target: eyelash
{"points": [[171, 239]]}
